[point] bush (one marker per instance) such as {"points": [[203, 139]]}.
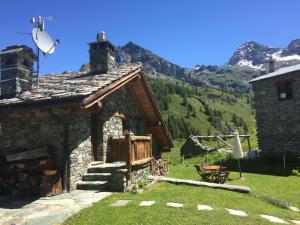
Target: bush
{"points": [[296, 172], [142, 183]]}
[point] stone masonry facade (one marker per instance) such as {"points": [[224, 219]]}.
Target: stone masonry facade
{"points": [[27, 131], [24, 132], [278, 123], [120, 101]]}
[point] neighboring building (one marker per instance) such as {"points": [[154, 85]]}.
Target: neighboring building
{"points": [[194, 147], [79, 118], [277, 104]]}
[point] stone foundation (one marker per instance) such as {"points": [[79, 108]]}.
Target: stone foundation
{"points": [[140, 172]]}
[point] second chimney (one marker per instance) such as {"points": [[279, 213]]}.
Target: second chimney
{"points": [[16, 70], [102, 55], [271, 65]]}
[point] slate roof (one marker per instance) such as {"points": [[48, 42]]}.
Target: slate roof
{"points": [[279, 72], [70, 85]]}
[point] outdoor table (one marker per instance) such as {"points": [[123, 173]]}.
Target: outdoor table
{"points": [[214, 169]]}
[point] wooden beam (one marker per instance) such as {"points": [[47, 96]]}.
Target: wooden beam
{"points": [[141, 162], [221, 136], [102, 93], [224, 141], [28, 155], [140, 138], [128, 155], [95, 104]]}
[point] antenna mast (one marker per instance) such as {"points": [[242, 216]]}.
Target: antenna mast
{"points": [[42, 40]]}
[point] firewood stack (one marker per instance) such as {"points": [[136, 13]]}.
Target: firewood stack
{"points": [[159, 167], [21, 174]]}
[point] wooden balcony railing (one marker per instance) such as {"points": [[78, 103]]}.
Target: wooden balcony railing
{"points": [[135, 150]]}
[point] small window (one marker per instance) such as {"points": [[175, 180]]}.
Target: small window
{"points": [[285, 89]]}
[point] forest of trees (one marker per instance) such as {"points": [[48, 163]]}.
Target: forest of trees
{"points": [[179, 126]]}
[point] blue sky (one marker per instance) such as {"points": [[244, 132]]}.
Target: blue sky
{"points": [[184, 32]]}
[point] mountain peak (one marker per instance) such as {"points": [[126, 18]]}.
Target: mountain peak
{"points": [[153, 63]]}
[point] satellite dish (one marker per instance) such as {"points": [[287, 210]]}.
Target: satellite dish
{"points": [[43, 41]]}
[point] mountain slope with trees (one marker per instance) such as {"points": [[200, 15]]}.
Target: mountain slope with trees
{"points": [[202, 111]]}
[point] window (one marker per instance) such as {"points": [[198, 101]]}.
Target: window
{"points": [[285, 89]]}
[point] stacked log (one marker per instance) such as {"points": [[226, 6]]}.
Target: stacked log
{"points": [[50, 183], [23, 174], [159, 167]]}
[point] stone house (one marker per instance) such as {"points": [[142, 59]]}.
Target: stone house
{"points": [[277, 105], [81, 119]]}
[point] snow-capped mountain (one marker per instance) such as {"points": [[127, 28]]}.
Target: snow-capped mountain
{"points": [[256, 56]]}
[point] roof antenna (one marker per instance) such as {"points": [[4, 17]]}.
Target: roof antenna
{"points": [[42, 40]]}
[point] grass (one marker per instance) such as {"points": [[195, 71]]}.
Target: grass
{"points": [[282, 187], [263, 179], [159, 213]]}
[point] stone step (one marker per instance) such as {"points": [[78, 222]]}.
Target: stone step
{"points": [[106, 167], [96, 177], [94, 163], [92, 185]]}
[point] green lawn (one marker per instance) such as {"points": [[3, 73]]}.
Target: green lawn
{"points": [[281, 187], [285, 188], [159, 213]]}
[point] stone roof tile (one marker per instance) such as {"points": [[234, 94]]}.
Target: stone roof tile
{"points": [[70, 84]]}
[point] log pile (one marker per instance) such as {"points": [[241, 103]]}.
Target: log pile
{"points": [[22, 175], [159, 167]]}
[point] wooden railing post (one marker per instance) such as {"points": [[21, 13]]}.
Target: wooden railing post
{"points": [[150, 135], [128, 155]]}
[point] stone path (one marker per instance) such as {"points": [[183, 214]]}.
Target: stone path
{"points": [[120, 203], [47, 210], [207, 208], [174, 204], [273, 219], [147, 203], [204, 207], [236, 212]]}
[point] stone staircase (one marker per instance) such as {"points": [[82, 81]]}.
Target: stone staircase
{"points": [[102, 176]]}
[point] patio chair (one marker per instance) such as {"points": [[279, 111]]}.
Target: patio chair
{"points": [[222, 176], [205, 176]]}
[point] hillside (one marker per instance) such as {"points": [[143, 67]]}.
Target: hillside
{"points": [[202, 111]]}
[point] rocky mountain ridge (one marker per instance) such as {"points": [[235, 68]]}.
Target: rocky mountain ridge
{"points": [[248, 61], [256, 56]]}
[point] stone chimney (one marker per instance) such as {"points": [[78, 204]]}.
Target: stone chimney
{"points": [[102, 55], [16, 70], [271, 65]]}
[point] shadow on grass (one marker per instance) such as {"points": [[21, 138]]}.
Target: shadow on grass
{"points": [[261, 165]]}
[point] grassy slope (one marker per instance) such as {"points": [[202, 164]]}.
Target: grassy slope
{"points": [[285, 188], [102, 213], [216, 99]]}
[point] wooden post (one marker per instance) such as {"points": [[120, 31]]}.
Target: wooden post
{"points": [[249, 146], [239, 165], [151, 150], [66, 163], [218, 144], [128, 155], [284, 165], [94, 135], [151, 166]]}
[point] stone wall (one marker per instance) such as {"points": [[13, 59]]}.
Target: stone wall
{"points": [[120, 101], [27, 131], [140, 172], [278, 123], [80, 148]]}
